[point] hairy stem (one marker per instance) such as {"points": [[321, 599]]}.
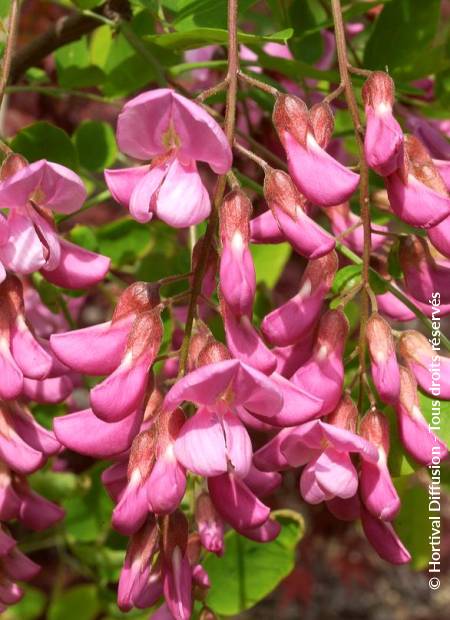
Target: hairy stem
{"points": [[13, 21], [229, 127], [364, 182]]}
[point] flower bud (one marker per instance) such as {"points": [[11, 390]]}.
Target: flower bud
{"points": [[290, 115], [378, 91], [174, 535], [322, 122], [423, 276], [138, 297], [384, 366], [210, 525], [12, 163], [345, 415]]}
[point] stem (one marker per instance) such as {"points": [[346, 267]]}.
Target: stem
{"points": [[229, 127], [364, 183], [251, 81], [7, 55], [258, 160]]}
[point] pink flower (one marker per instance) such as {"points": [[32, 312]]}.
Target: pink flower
{"points": [[429, 134], [417, 194], [294, 319], [384, 539], [323, 374], [30, 241], [237, 272], [384, 366], [423, 275], [322, 179], [423, 362], [210, 525], [377, 490], [288, 209], [342, 218], [165, 126], [415, 432], [324, 448], [383, 140]]}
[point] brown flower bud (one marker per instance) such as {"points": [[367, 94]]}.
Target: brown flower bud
{"points": [[137, 298], [291, 115], [378, 90], [235, 213], [146, 334], [322, 122], [12, 163], [333, 331], [345, 415], [279, 190], [174, 534], [142, 456], [375, 428], [421, 165], [379, 338]]}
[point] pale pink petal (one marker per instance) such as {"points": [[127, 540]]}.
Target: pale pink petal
{"points": [[122, 181], [264, 533], [23, 252], [384, 540], [378, 492], [143, 196], [78, 267], [262, 483], [265, 229], [32, 359], [167, 483], [51, 391]]}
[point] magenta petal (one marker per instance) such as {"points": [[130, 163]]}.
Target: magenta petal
{"points": [[259, 393], [265, 229], [386, 377], [264, 533], [310, 489], [83, 432], [293, 356], [145, 191], [78, 268], [270, 456], [238, 444], [320, 177], [114, 478], [245, 343], [6, 543], [177, 583], [32, 359], [18, 455], [383, 141], [182, 199], [237, 276], [19, 567], [132, 509], [10, 593], [322, 378], [439, 236], [202, 386], [191, 121], [306, 236], [384, 540], [122, 181], [48, 391], [389, 305], [336, 474], [95, 350], [9, 500], [23, 251], [348, 509], [417, 436], [122, 392], [298, 405], [378, 492], [11, 382], [200, 445], [38, 513], [236, 503], [33, 433], [167, 483], [415, 203], [262, 483]]}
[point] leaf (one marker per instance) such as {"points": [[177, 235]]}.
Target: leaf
{"points": [[413, 524], [78, 603], [54, 485], [346, 278], [42, 140], [270, 261], [193, 13], [249, 571], [402, 38], [74, 66], [96, 145], [199, 37], [88, 512], [437, 414], [31, 607], [302, 18]]}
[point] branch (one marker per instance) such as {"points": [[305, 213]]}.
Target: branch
{"points": [[7, 56], [364, 183], [229, 128], [65, 30]]}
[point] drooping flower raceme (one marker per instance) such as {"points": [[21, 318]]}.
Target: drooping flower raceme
{"points": [[175, 133]]}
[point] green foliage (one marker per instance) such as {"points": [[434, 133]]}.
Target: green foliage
{"points": [[75, 66], [42, 140], [77, 603], [96, 145], [270, 261], [30, 607], [413, 524], [248, 570], [346, 279], [402, 39]]}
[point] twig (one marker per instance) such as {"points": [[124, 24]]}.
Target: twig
{"points": [[210, 92], [251, 81], [364, 179], [229, 127], [13, 22], [258, 160]]}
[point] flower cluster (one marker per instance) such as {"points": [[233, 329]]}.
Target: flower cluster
{"points": [[186, 429]]}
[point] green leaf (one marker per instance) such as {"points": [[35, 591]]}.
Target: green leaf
{"points": [[78, 603], [346, 278], [211, 36], [302, 17], [42, 140], [87, 4], [270, 261], [437, 414], [54, 485], [88, 512], [31, 607], [84, 236], [96, 145], [249, 571], [402, 38], [124, 241], [413, 525], [74, 66], [193, 13]]}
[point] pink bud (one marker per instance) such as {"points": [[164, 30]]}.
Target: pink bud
{"points": [[210, 525], [383, 141], [377, 490], [415, 432], [424, 277], [384, 366], [432, 371]]}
